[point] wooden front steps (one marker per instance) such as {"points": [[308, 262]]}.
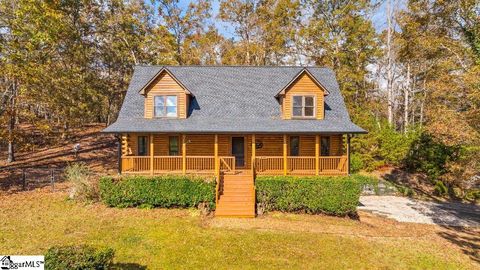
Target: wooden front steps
{"points": [[237, 196]]}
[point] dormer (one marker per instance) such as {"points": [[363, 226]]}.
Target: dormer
{"points": [[303, 97], [165, 97]]}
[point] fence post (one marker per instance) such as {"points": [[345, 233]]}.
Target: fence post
{"points": [[52, 179], [24, 180]]}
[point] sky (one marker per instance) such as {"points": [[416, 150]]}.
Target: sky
{"points": [[378, 17]]}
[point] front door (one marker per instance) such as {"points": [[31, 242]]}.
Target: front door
{"points": [[238, 151]]}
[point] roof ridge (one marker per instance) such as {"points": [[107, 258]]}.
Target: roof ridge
{"points": [[241, 66]]}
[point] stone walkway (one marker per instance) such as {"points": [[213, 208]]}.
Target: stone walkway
{"points": [[409, 210]]}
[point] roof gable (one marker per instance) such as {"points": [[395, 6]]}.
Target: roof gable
{"points": [[157, 75], [303, 71]]}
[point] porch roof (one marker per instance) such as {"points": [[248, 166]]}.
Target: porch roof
{"points": [[230, 125], [233, 99]]}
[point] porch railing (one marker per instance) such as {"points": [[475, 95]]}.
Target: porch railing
{"points": [[133, 164], [274, 165], [200, 163], [332, 164], [267, 165], [163, 164], [167, 163], [301, 164]]}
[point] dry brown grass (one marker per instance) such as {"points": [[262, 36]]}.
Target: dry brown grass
{"points": [[32, 221]]}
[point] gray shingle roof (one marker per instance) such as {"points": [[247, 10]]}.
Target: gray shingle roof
{"points": [[233, 99]]}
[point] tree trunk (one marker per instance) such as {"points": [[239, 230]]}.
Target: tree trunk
{"points": [[11, 140], [390, 95], [422, 105], [65, 130], [11, 123], [405, 101]]}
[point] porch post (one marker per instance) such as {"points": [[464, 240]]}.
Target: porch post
{"points": [[119, 140], [317, 152], [215, 150], [284, 154], [253, 153], [151, 154], [348, 154], [184, 154]]}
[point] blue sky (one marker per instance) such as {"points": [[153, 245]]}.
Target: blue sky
{"points": [[378, 17]]}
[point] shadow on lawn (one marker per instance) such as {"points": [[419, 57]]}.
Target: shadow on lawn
{"points": [[128, 266], [467, 239]]}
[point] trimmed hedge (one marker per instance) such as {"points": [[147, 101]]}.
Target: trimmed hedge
{"points": [[330, 195], [78, 258], [162, 191]]}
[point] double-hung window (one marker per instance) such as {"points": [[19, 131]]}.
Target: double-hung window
{"points": [[303, 106], [165, 106]]}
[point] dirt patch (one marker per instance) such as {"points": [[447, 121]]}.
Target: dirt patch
{"points": [[97, 150], [417, 182]]}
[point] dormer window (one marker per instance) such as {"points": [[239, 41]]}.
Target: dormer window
{"points": [[165, 106], [303, 106]]}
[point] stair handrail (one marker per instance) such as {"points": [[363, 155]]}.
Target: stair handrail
{"points": [[217, 174], [254, 169]]}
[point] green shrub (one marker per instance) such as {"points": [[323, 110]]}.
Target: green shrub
{"points": [[331, 195], [473, 195], [356, 162], [84, 187], [430, 157], [383, 145], [440, 188], [78, 258], [162, 191]]}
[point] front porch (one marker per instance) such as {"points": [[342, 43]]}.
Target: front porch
{"points": [[233, 154], [153, 154]]}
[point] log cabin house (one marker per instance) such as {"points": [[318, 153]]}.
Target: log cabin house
{"points": [[234, 122]]}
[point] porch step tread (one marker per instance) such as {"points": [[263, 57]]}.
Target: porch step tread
{"points": [[238, 180], [240, 193], [238, 189], [235, 203], [237, 185], [236, 199], [235, 212]]}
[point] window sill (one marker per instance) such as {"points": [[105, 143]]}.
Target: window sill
{"points": [[304, 118]]}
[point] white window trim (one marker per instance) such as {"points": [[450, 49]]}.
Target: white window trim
{"points": [[165, 106], [303, 107]]}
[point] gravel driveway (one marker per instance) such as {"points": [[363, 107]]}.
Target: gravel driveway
{"points": [[410, 210]]}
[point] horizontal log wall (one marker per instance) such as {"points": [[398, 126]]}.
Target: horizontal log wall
{"points": [[203, 145]]}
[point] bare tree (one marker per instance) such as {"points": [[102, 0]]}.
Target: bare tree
{"points": [[390, 64], [11, 113], [406, 91]]}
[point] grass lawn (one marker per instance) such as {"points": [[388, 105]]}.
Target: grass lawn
{"points": [[31, 222]]}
